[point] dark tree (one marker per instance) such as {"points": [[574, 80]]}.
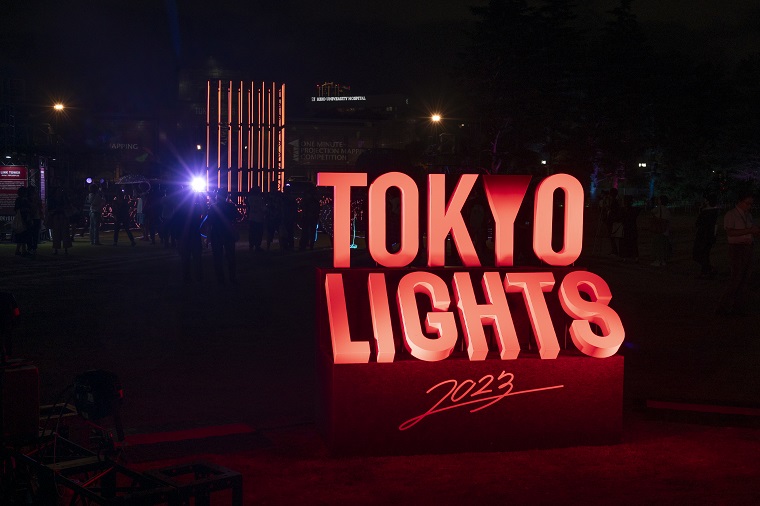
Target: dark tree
{"points": [[497, 73], [619, 99]]}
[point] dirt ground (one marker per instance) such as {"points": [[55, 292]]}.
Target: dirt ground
{"points": [[226, 375]]}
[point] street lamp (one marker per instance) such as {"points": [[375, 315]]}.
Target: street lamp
{"points": [[59, 107], [435, 118]]}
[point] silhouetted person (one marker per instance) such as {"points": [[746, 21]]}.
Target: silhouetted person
{"points": [[121, 218], [392, 220], [614, 221], [185, 225], [222, 215], [629, 243], [273, 215], [661, 231], [36, 211], [289, 217], [22, 221], [149, 216], [167, 213], [96, 202], [704, 237], [309, 219], [58, 222], [256, 217]]}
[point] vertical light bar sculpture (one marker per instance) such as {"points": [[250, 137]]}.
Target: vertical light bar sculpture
{"points": [[245, 135]]}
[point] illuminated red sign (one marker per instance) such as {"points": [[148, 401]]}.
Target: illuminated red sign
{"points": [[583, 296]]}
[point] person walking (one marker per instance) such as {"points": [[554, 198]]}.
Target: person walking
{"points": [[121, 218], [740, 231]]}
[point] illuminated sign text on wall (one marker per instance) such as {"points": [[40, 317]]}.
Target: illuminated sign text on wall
{"points": [[596, 329], [354, 98], [123, 145], [11, 178], [326, 151]]}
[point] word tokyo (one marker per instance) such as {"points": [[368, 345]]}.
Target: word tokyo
{"points": [[583, 296]]}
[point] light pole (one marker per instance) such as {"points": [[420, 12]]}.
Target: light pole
{"points": [[59, 109]]}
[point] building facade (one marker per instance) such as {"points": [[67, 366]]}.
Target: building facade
{"points": [[338, 131]]}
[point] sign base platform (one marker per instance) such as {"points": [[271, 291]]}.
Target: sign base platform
{"points": [[456, 405]]}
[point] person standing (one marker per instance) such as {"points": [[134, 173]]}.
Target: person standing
{"points": [[614, 222], [151, 210], [186, 228], [121, 218], [35, 208], [222, 216], [273, 216], [22, 221], [661, 232], [740, 231], [168, 205], [705, 235], [58, 221], [629, 243], [96, 202], [289, 218], [140, 214], [309, 220], [256, 216]]}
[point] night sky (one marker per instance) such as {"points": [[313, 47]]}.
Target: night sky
{"points": [[124, 54]]}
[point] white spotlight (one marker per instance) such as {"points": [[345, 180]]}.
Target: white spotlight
{"points": [[198, 184]]}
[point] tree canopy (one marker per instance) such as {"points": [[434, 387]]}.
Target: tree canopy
{"points": [[600, 102]]}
